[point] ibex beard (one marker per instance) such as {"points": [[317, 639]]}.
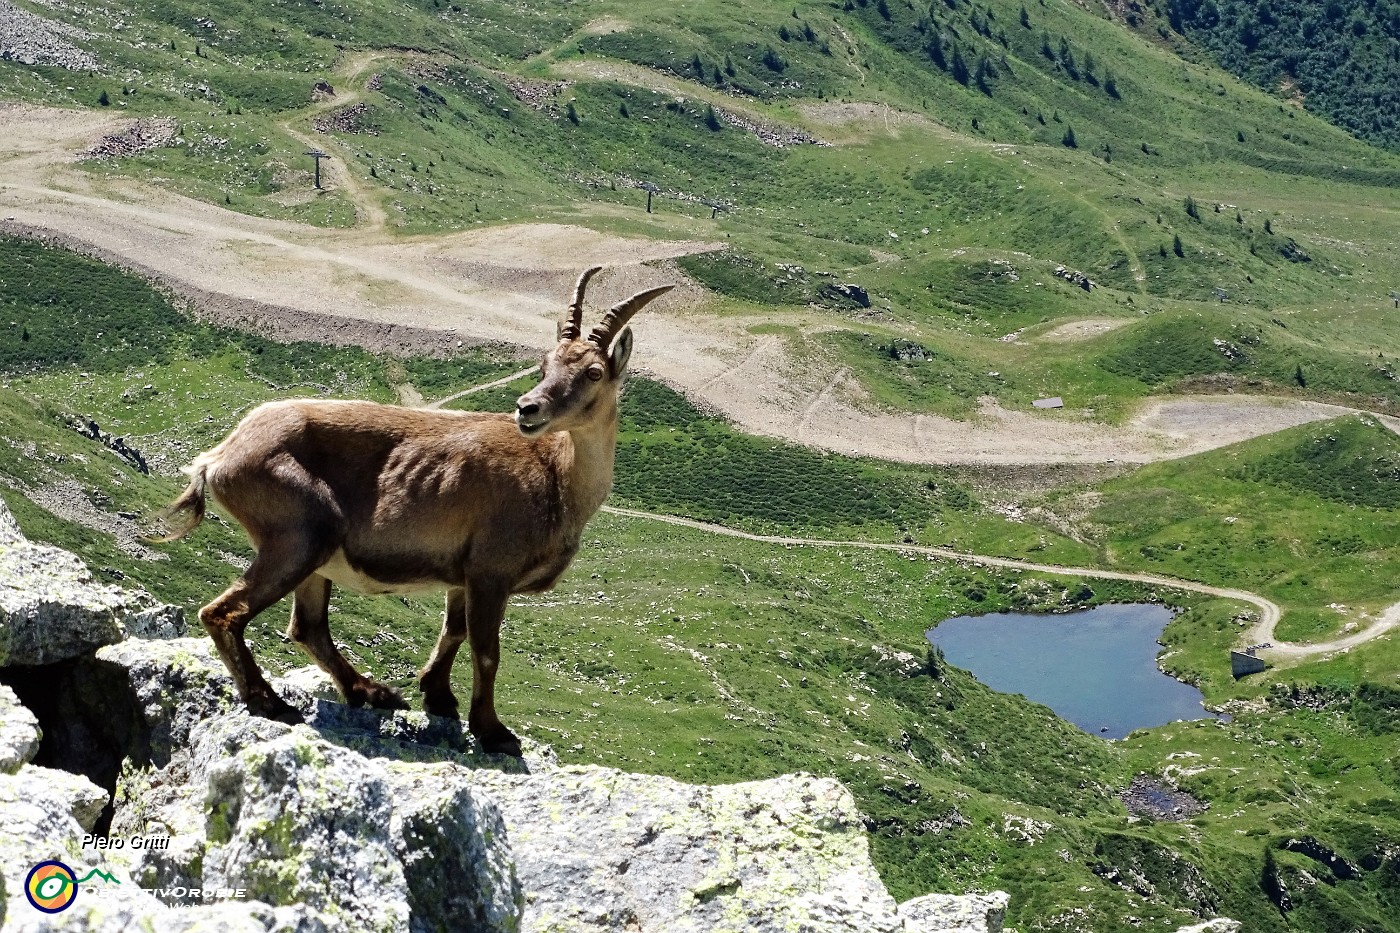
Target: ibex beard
{"points": [[385, 499]]}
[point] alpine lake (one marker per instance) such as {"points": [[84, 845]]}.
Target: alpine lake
{"points": [[1096, 668]]}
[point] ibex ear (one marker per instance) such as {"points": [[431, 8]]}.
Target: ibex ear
{"points": [[621, 351], [559, 331]]}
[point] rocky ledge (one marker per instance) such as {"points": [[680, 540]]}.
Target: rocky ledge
{"points": [[174, 810]]}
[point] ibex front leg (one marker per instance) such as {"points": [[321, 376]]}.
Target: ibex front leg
{"points": [[486, 607], [435, 679]]}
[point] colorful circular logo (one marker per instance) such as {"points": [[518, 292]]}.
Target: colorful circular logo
{"points": [[51, 887]]}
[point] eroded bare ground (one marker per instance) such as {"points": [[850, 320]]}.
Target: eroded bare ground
{"points": [[1083, 330], [857, 121], [505, 285]]}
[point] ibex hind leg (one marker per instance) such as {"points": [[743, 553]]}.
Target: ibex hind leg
{"points": [[310, 629], [280, 566]]}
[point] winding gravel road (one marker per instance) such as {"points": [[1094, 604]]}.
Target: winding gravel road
{"points": [[1260, 633]]}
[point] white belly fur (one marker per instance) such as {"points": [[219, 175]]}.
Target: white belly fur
{"points": [[338, 570]]}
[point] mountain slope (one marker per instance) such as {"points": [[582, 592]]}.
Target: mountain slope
{"points": [[912, 199]]}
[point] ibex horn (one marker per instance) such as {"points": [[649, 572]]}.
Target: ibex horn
{"points": [[573, 325], [620, 313]]}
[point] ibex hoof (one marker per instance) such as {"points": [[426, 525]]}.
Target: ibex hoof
{"points": [[377, 695], [444, 706], [271, 706], [503, 742]]}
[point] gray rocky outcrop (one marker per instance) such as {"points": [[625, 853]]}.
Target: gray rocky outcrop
{"points": [[1218, 925], [846, 291], [19, 732], [390, 822], [50, 606], [1321, 854], [128, 142], [363, 821], [947, 913], [630, 851], [1075, 277]]}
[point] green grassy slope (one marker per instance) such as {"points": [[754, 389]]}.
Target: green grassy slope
{"points": [[1308, 517], [712, 659], [1182, 180]]}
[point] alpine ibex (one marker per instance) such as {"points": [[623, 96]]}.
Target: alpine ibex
{"points": [[385, 499]]}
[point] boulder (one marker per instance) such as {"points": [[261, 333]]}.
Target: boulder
{"points": [[292, 819], [51, 609], [156, 622], [964, 913], [44, 815], [599, 849], [175, 684]]}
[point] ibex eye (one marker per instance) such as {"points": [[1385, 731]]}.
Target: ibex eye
{"points": [[595, 372]]}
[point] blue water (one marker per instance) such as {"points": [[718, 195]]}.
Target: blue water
{"points": [[1096, 668]]}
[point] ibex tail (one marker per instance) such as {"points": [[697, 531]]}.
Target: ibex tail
{"points": [[192, 500]]}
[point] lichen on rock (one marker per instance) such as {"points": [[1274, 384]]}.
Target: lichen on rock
{"points": [[599, 849], [293, 819], [955, 913], [451, 839]]}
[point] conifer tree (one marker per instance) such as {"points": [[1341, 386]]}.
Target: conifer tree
{"points": [[960, 72]]}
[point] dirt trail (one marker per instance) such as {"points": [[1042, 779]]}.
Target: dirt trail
{"points": [[650, 79], [1262, 631], [369, 212], [505, 285], [764, 345], [855, 123], [503, 381], [1085, 329], [804, 425]]}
